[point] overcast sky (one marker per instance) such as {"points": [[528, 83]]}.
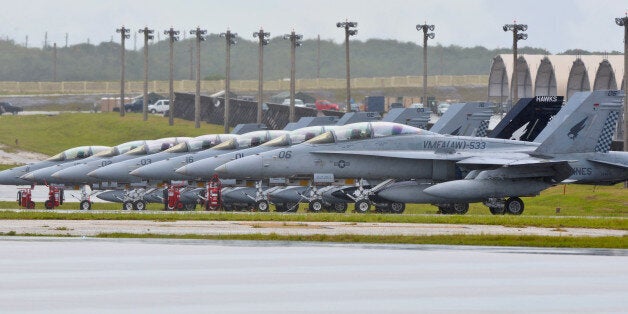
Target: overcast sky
{"points": [[554, 25]]}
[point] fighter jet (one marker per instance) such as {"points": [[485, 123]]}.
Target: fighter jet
{"points": [[458, 169], [13, 176]]}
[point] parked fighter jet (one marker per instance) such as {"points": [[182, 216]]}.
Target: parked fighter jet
{"points": [[13, 176], [459, 169]]}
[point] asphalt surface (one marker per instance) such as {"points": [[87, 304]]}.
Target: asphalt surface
{"points": [[53, 275]]}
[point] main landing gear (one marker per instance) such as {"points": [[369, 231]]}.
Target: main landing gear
{"points": [[511, 206]]}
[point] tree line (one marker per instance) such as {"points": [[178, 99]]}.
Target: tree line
{"points": [[324, 58]]}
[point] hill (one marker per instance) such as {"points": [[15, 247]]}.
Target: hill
{"points": [[371, 58]]}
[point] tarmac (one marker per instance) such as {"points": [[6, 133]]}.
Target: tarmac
{"points": [[83, 275]]}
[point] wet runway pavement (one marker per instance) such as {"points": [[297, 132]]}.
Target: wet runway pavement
{"points": [[56, 275]]}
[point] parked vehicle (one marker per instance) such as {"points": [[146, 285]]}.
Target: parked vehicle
{"points": [[136, 106], [323, 104], [297, 102], [8, 107], [160, 106]]}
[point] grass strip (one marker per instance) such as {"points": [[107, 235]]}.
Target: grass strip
{"points": [[509, 221]]}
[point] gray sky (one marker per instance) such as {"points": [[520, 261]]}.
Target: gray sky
{"points": [[556, 25]]}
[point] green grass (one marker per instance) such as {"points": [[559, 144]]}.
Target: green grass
{"points": [[52, 134], [511, 221]]}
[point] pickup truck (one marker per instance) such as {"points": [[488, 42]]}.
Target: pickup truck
{"points": [[159, 106], [325, 105]]}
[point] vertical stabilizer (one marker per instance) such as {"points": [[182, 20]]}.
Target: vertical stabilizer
{"points": [[465, 119], [585, 124]]}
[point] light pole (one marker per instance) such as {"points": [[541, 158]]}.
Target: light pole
{"points": [[148, 34], [295, 41], [623, 21], [348, 32], [230, 40], [173, 36], [263, 41], [425, 28], [197, 97], [124, 35], [516, 36]]}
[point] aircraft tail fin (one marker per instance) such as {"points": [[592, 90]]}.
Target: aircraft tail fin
{"points": [[586, 124]]}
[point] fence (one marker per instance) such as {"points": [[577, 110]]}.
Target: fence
{"points": [[113, 87]]}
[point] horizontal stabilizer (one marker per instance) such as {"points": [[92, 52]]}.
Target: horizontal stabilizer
{"points": [[614, 164]]}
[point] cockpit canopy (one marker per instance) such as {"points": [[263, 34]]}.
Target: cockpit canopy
{"points": [[250, 139], [156, 146], [365, 130], [120, 149], [298, 136], [200, 143], [78, 153]]}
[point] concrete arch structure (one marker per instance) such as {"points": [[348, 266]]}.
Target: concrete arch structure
{"points": [[553, 75]]}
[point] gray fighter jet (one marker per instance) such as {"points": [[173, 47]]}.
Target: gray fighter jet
{"points": [[458, 169], [13, 176]]}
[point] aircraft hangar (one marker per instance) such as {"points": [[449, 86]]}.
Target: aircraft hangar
{"points": [[554, 75]]}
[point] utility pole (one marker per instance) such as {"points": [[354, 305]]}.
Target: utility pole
{"points": [[46, 40], [191, 60], [230, 40], [66, 40], [197, 97], [516, 36], [318, 56], [425, 28], [124, 35], [348, 32], [26, 43], [623, 21], [173, 36], [148, 34], [54, 62], [295, 41], [263, 41]]}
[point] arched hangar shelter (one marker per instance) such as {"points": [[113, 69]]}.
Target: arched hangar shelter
{"points": [[554, 75]]}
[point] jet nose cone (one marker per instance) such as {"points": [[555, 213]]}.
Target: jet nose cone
{"points": [[137, 172], [183, 170], [199, 169], [75, 173], [12, 177], [244, 168], [29, 176]]}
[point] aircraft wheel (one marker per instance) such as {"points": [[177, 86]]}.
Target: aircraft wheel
{"points": [[339, 207], [262, 206], [316, 206], [192, 206], [139, 205], [397, 207], [49, 204], [85, 205], [128, 205], [496, 210], [459, 208], [514, 206], [362, 206], [31, 205], [179, 206]]}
